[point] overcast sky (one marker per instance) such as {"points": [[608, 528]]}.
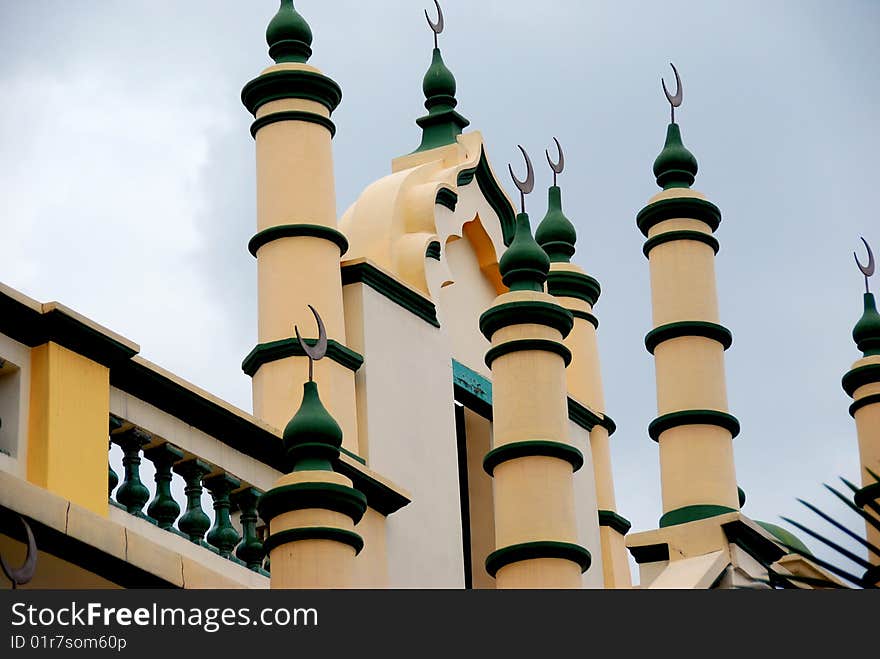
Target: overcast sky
{"points": [[128, 191]]}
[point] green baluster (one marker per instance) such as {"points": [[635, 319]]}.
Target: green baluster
{"points": [[194, 522], [112, 477], [132, 494], [223, 535], [251, 549], [163, 508]]}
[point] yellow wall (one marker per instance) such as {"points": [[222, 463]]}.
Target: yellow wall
{"points": [[52, 573], [68, 428], [867, 421]]}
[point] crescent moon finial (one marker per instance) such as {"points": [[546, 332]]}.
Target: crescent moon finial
{"points": [[319, 350], [674, 101], [558, 166], [867, 270], [24, 574], [439, 25], [524, 187]]}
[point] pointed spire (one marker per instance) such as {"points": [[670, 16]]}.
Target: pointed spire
{"points": [[556, 234], [866, 333], [524, 266], [442, 125], [675, 167], [312, 437], [289, 35]]}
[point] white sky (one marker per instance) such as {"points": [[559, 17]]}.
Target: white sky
{"points": [[127, 180]]}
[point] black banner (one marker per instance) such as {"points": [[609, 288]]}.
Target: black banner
{"points": [[424, 623]]}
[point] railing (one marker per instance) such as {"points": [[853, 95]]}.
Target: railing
{"points": [[178, 472]]}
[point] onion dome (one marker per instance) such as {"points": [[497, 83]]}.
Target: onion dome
{"points": [[556, 234], [312, 437], [442, 125], [786, 537], [439, 83], [675, 167], [866, 333], [524, 266], [289, 35]]}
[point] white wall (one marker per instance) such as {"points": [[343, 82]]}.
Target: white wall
{"points": [[406, 411]]}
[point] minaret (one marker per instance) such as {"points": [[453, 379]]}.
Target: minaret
{"points": [[862, 383], [532, 460], [297, 245], [694, 429], [312, 511], [578, 293]]}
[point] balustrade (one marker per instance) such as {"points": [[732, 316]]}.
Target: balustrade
{"points": [[229, 494], [132, 494]]}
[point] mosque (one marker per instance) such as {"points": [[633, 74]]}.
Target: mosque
{"points": [[442, 422]]}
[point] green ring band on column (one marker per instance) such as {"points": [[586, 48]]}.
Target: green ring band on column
{"points": [[608, 423], [323, 496], [860, 376], [518, 345], [691, 418], [583, 315], [533, 447], [863, 402], [687, 208], [265, 353], [291, 83], [577, 285], [692, 514], [526, 312], [671, 236], [296, 230], [344, 536], [540, 549], [868, 494], [292, 115], [699, 328], [614, 521]]}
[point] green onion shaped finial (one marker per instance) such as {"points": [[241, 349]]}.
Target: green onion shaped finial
{"points": [[676, 166], [556, 234], [867, 331], [524, 266], [289, 35], [312, 437], [442, 125]]}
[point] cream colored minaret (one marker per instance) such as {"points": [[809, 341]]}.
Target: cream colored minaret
{"points": [[578, 293], [297, 245], [862, 383], [694, 428], [532, 460], [312, 511]]}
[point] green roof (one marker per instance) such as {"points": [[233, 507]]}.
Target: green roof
{"points": [[784, 536]]}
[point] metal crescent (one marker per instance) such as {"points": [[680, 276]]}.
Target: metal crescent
{"points": [[317, 351], [529, 184], [558, 166], [24, 574], [674, 101], [439, 25], [867, 270]]}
